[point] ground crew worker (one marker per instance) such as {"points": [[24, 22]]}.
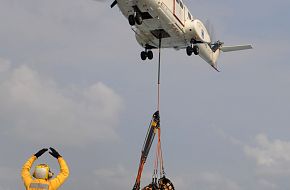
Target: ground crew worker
{"points": [[42, 174]]}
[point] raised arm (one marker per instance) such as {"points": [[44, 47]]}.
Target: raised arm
{"points": [[64, 170], [25, 173]]}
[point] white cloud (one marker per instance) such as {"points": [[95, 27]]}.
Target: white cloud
{"points": [[4, 65], [120, 177], [119, 172], [208, 180], [215, 181], [7, 175], [37, 109], [264, 184], [3, 188], [272, 157], [114, 177]]}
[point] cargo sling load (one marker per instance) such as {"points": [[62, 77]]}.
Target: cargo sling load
{"points": [[163, 183]]}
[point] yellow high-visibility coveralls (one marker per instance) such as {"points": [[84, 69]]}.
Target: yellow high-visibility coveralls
{"points": [[42, 184]]}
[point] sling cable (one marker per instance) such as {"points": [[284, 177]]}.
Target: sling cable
{"points": [[154, 128]]}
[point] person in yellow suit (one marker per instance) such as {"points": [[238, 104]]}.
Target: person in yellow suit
{"points": [[42, 176]]}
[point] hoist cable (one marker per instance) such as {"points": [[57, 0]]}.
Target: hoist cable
{"points": [[159, 67]]}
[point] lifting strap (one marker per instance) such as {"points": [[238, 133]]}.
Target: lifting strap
{"points": [[158, 161]]}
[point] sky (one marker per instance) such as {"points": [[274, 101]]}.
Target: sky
{"points": [[71, 78]]}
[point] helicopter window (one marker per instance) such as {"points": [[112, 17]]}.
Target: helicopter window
{"points": [[189, 15], [181, 5]]}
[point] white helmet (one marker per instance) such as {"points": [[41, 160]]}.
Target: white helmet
{"points": [[42, 171]]}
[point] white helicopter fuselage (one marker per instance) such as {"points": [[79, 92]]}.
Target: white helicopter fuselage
{"points": [[172, 21]]}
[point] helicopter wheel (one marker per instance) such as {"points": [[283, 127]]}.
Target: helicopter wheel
{"points": [[189, 50], [150, 55], [196, 50], [138, 18], [131, 20], [144, 55]]}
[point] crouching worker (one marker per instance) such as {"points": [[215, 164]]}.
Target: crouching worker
{"points": [[42, 176]]}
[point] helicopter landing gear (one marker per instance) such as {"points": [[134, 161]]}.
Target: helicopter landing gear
{"points": [[192, 49], [135, 18], [146, 54]]}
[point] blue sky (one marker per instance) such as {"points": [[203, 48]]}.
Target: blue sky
{"points": [[71, 78]]}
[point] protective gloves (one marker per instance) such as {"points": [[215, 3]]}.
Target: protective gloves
{"points": [[41, 152], [54, 153]]}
